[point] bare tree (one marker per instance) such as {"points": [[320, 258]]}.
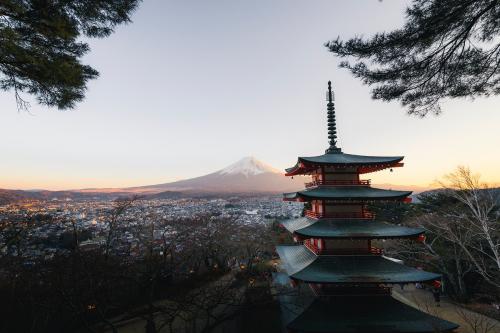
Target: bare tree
{"points": [[462, 228], [482, 217], [120, 207], [203, 256], [436, 253], [472, 321], [477, 323]]}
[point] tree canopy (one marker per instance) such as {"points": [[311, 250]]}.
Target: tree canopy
{"points": [[446, 48], [41, 46]]}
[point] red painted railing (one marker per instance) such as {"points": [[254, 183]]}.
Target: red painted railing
{"points": [[340, 215], [354, 251], [311, 246], [365, 182], [360, 251], [329, 289]]}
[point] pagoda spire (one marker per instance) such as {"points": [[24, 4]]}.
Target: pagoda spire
{"points": [[332, 126]]}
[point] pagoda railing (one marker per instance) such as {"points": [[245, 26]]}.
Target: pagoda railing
{"points": [[311, 246], [365, 182], [340, 215], [357, 251], [320, 289], [352, 251]]}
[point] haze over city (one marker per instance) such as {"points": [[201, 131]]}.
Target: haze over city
{"points": [[191, 87]]}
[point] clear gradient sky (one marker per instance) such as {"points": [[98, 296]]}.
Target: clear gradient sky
{"points": [[192, 86]]}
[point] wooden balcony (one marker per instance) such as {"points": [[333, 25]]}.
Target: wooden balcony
{"points": [[307, 243], [365, 182], [359, 251], [340, 215], [341, 290], [353, 251]]}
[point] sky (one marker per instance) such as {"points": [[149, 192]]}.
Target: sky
{"points": [[192, 86]]}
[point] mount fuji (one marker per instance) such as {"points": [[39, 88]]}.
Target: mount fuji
{"points": [[246, 175]]}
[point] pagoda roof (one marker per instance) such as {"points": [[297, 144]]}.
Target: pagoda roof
{"points": [[348, 229], [354, 314], [339, 159], [302, 264], [346, 193]]}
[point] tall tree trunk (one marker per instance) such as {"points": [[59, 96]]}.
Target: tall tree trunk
{"points": [[462, 289]]}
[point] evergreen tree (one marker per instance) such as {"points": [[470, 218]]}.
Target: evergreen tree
{"points": [[446, 48], [41, 46]]}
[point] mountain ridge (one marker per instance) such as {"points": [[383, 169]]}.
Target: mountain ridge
{"points": [[246, 176]]}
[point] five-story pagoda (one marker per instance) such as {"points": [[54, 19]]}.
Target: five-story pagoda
{"points": [[349, 279]]}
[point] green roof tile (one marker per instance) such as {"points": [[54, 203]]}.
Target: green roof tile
{"points": [[302, 264], [347, 193], [348, 229], [347, 160], [355, 314]]}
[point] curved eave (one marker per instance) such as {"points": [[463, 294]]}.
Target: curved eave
{"points": [[303, 265], [346, 193], [364, 164], [299, 169], [348, 229], [344, 314]]}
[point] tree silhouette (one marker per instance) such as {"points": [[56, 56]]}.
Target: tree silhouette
{"points": [[447, 48], [41, 47]]}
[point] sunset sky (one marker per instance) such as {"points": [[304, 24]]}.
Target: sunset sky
{"points": [[192, 86]]}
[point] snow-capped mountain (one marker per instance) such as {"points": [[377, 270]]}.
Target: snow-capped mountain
{"points": [[246, 175], [248, 166]]}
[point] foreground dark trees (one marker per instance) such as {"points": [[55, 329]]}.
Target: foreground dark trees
{"points": [[200, 274], [447, 48], [41, 46], [191, 275]]}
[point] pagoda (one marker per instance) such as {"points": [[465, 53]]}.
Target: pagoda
{"points": [[347, 278]]}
